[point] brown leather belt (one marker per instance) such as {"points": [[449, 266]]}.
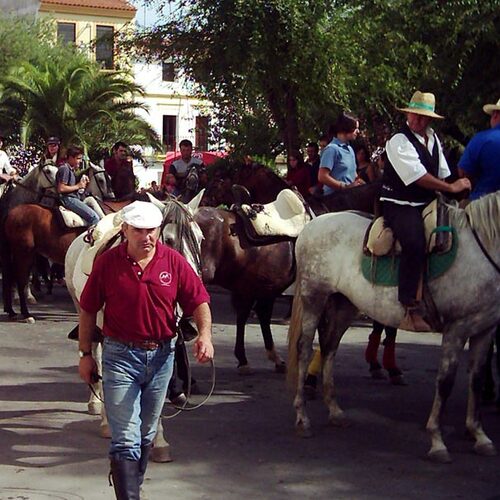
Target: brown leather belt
{"points": [[147, 345]]}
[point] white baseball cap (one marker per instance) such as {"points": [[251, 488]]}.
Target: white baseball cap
{"points": [[142, 215]]}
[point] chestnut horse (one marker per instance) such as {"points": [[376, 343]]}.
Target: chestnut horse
{"points": [[32, 229], [257, 275]]}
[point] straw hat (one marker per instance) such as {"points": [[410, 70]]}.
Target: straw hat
{"points": [[422, 103], [489, 108]]}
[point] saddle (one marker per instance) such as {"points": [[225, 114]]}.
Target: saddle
{"points": [[381, 251], [280, 220], [379, 239]]}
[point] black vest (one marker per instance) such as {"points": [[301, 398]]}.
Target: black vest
{"points": [[394, 188]]}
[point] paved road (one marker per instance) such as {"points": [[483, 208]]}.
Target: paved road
{"points": [[241, 444]]}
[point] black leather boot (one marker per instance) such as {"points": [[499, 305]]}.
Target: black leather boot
{"points": [[125, 474], [143, 461]]}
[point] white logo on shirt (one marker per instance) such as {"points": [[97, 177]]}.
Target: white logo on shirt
{"points": [[165, 278]]}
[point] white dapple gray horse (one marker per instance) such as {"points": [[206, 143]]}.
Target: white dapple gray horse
{"points": [[184, 234], [331, 288]]}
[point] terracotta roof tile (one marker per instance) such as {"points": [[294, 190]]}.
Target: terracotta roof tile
{"points": [[98, 4]]}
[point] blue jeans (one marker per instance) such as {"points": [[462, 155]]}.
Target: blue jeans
{"points": [[84, 211], [135, 384]]}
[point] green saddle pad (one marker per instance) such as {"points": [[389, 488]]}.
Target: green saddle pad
{"points": [[384, 271]]}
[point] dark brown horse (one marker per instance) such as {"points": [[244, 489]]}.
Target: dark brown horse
{"points": [[263, 185], [257, 275]]}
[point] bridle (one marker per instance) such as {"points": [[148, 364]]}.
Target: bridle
{"points": [[95, 172]]}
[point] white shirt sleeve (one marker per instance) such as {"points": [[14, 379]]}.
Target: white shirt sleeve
{"points": [[5, 165], [444, 169], [404, 158]]}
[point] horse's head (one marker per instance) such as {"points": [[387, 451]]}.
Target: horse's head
{"points": [[41, 177], [180, 230], [218, 193], [99, 184]]}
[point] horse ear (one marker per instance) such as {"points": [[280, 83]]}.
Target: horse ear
{"points": [[195, 202]]}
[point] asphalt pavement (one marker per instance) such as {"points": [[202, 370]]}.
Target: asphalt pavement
{"points": [[241, 444]]}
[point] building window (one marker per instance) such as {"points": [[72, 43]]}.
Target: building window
{"points": [[169, 131], [66, 32], [167, 72], [104, 46], [201, 133]]}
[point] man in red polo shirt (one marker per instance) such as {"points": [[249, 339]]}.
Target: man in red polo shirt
{"points": [[139, 282]]}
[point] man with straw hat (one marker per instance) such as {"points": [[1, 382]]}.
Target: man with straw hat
{"points": [[413, 171], [481, 159]]}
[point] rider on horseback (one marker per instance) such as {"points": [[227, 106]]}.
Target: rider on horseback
{"points": [[70, 191], [186, 170], [52, 153], [413, 171]]}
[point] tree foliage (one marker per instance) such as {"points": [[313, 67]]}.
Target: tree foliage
{"points": [[278, 71], [61, 92]]}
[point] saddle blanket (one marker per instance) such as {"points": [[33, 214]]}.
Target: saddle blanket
{"points": [[384, 270], [286, 216]]}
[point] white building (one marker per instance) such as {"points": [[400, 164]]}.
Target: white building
{"points": [[174, 112]]}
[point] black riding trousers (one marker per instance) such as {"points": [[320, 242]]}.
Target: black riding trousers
{"points": [[407, 225]]}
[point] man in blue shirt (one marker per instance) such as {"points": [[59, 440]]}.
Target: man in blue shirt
{"points": [[481, 159], [337, 168]]}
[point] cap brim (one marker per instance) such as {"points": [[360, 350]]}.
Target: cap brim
{"points": [[422, 112], [489, 108]]}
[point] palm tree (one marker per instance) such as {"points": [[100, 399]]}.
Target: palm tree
{"points": [[72, 98]]}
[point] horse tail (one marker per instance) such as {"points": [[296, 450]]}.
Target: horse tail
{"points": [[294, 335]]}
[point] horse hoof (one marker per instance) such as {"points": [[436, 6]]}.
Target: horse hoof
{"points": [[94, 408], [161, 454], [486, 450], [398, 380], [303, 432], [280, 367], [30, 320], [440, 457], [378, 374], [105, 432], [245, 370]]}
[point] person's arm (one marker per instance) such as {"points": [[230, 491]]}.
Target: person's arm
{"points": [[326, 179], [87, 366], [63, 188], [203, 348], [428, 181]]}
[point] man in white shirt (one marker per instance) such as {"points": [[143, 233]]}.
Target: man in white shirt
{"points": [[413, 171], [7, 171]]}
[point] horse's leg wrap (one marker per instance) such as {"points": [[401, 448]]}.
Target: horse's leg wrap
{"points": [[389, 356], [372, 350]]}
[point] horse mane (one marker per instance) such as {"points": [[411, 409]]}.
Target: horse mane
{"points": [[178, 214], [483, 215]]}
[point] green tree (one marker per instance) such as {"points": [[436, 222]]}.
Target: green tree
{"points": [[280, 70]]}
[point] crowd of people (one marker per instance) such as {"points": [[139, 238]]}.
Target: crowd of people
{"points": [[139, 324]]}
